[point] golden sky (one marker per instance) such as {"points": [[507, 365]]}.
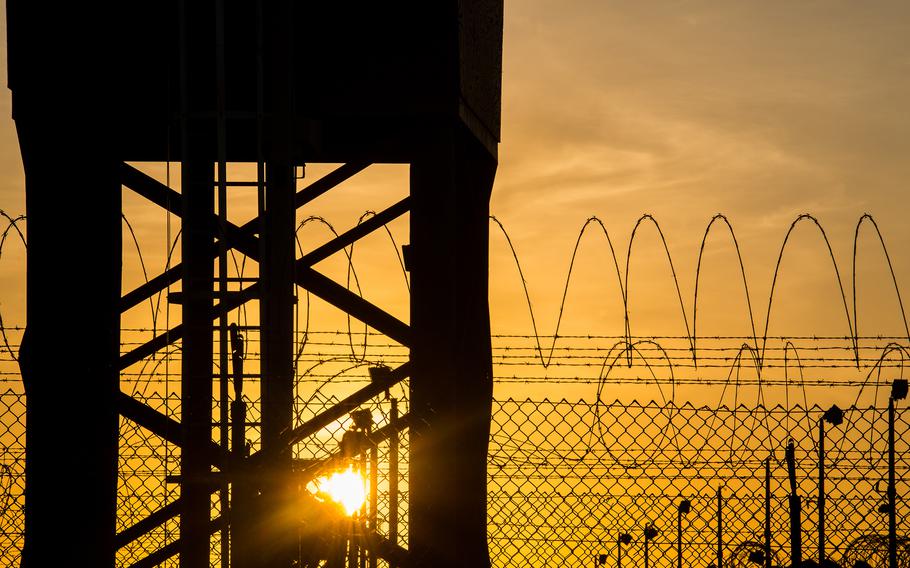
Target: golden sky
{"points": [[757, 110]]}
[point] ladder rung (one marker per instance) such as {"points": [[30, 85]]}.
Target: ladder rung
{"points": [[178, 297]]}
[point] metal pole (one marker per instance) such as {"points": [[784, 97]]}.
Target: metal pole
{"points": [[796, 537], [647, 564], [892, 490], [720, 528], [224, 377], [767, 513], [821, 491], [374, 496], [363, 515], [678, 539], [393, 477], [352, 543], [618, 553], [241, 489], [451, 383], [196, 59]]}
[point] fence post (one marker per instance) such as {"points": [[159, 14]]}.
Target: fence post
{"points": [[720, 528], [796, 537], [768, 512]]}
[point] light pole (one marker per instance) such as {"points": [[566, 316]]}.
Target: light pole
{"points": [[796, 537], [650, 533], [767, 543], [624, 538], [681, 509], [720, 528], [833, 416], [898, 392]]}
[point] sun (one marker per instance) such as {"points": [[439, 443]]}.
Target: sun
{"points": [[343, 487]]}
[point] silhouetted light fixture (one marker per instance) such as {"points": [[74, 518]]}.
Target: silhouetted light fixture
{"points": [[379, 372], [899, 389], [650, 533], [834, 416], [624, 538], [682, 509], [363, 419]]}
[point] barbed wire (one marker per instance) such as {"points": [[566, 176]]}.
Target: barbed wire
{"points": [[565, 477]]}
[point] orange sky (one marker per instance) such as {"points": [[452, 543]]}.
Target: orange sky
{"points": [[758, 110]]}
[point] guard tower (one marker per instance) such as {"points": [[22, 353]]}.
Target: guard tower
{"points": [[279, 84]]}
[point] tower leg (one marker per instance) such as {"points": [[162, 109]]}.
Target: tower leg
{"points": [[276, 313], [451, 383], [196, 380], [73, 208]]}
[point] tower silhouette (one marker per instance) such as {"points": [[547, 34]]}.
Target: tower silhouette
{"points": [[279, 84]]}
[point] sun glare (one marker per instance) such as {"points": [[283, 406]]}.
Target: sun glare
{"points": [[345, 488]]}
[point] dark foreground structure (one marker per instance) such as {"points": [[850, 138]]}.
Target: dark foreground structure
{"points": [[279, 84]]}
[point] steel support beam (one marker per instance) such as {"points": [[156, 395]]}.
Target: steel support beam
{"points": [[197, 98], [351, 303], [309, 279], [148, 524], [161, 195], [452, 381], [176, 547], [196, 378], [353, 235], [165, 427], [157, 195], [70, 377], [275, 544]]}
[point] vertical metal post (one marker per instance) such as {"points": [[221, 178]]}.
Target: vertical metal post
{"points": [[197, 47], [276, 272], [796, 537], [647, 560], [618, 553], [224, 375], [892, 491], [452, 382], [678, 539], [196, 380], [393, 476], [242, 489], [821, 490], [720, 528], [362, 516], [70, 378], [374, 496], [768, 512], [352, 543]]}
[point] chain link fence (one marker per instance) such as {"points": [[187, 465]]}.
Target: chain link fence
{"points": [[566, 478]]}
